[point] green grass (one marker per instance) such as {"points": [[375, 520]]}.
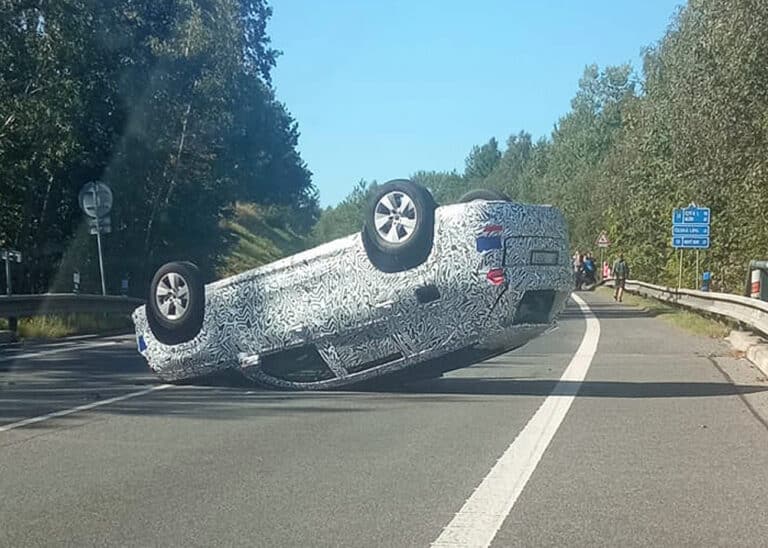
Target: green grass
{"points": [[54, 327], [260, 239], [695, 322]]}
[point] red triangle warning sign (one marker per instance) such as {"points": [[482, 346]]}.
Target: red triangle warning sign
{"points": [[602, 240]]}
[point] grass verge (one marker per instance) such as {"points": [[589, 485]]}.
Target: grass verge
{"points": [[260, 236], [54, 327], [695, 322]]}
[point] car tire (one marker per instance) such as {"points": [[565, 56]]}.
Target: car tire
{"points": [[176, 303], [486, 194], [399, 224]]}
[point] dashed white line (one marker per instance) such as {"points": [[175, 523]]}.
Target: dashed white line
{"points": [[79, 408], [483, 514]]}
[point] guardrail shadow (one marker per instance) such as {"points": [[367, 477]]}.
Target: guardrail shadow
{"points": [[587, 389], [609, 311]]}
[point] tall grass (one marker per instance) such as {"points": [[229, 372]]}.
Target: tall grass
{"points": [[56, 326]]}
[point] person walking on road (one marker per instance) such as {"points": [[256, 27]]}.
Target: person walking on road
{"points": [[620, 275]]}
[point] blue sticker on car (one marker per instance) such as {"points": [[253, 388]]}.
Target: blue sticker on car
{"points": [[142, 344], [489, 238], [488, 243]]}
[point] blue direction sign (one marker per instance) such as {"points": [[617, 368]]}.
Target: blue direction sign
{"points": [[690, 230], [691, 216], [690, 227], [690, 242]]}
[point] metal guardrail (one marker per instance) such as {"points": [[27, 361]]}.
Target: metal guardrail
{"points": [[22, 306], [750, 312]]}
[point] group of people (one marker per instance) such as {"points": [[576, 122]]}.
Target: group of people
{"points": [[585, 271]]}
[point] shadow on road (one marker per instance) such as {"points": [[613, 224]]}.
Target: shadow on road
{"points": [[610, 311], [34, 387], [590, 389], [231, 403]]}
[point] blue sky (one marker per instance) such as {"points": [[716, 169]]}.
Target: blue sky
{"points": [[384, 88]]}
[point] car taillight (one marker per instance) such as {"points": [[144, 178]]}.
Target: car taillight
{"points": [[496, 276]]}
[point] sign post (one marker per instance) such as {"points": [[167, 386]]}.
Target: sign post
{"points": [[602, 242], [101, 255], [7, 273], [96, 202], [690, 230], [696, 282], [9, 255]]}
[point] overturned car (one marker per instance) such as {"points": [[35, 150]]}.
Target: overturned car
{"points": [[418, 283]]}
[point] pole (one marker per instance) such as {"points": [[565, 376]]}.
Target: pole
{"points": [[13, 325], [601, 263], [680, 273], [101, 261], [6, 255], [696, 285], [98, 240]]}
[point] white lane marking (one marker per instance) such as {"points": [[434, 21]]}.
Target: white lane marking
{"points": [[478, 521], [56, 351], [79, 408]]}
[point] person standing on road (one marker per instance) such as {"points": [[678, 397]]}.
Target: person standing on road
{"points": [[590, 269], [578, 263], [577, 259], [620, 275]]}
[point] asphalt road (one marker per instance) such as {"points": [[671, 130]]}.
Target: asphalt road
{"points": [[664, 443]]}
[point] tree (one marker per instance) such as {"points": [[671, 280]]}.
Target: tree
{"points": [[446, 186], [345, 218], [507, 176], [482, 160], [168, 101], [698, 134]]}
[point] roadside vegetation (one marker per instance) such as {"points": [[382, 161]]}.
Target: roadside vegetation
{"points": [[52, 327], [259, 235], [695, 322], [170, 103], [691, 125]]}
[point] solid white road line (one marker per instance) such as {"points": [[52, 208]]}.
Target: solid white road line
{"points": [[79, 408], [478, 521], [41, 353]]}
